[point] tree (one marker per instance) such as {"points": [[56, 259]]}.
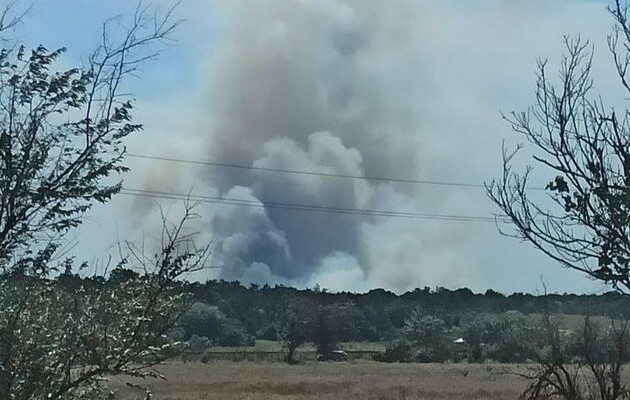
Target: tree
{"points": [[59, 344], [429, 337], [293, 334], [475, 332], [61, 136], [515, 339], [201, 320], [61, 150], [584, 149], [324, 329], [584, 367]]}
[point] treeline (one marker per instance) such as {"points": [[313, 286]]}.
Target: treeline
{"points": [[378, 315], [420, 325]]}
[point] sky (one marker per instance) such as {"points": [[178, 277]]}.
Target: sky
{"points": [[405, 89]]}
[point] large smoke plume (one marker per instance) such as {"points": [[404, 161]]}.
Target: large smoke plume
{"points": [[312, 85], [405, 89]]}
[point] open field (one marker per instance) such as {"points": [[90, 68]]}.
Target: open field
{"points": [[331, 381], [254, 372], [275, 346], [272, 351]]}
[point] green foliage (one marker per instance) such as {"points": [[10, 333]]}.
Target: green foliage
{"points": [[233, 335], [269, 333], [400, 350], [429, 337], [378, 316], [198, 344], [201, 320], [294, 331], [517, 338], [208, 322], [507, 337], [57, 145], [57, 344], [324, 329], [61, 151], [476, 332]]}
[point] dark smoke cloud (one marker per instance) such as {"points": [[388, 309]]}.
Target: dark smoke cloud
{"points": [[356, 87], [298, 89], [250, 240]]}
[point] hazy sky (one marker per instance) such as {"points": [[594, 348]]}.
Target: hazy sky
{"points": [[407, 89]]}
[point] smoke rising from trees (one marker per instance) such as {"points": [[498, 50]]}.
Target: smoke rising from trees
{"points": [[363, 88], [303, 86]]}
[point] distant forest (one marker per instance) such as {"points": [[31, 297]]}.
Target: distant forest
{"points": [[230, 314]]}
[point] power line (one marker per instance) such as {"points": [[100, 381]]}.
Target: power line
{"points": [[312, 173], [318, 209], [304, 207]]}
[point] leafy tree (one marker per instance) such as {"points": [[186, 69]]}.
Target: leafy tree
{"points": [[233, 334], [514, 337], [121, 275], [428, 335], [61, 138], [324, 329], [475, 333], [61, 151], [201, 320], [293, 334], [58, 344]]}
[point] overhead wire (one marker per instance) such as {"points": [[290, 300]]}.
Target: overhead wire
{"points": [[304, 207], [159, 194], [311, 173]]}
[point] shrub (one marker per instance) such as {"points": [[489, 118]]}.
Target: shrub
{"points": [[398, 351]]}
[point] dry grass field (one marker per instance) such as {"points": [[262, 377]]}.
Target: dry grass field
{"points": [[331, 381]]}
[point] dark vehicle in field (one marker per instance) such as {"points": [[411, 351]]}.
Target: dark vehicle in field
{"points": [[334, 355]]}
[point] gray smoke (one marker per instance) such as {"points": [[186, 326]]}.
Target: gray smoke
{"points": [[294, 68], [367, 88], [301, 85], [407, 89]]}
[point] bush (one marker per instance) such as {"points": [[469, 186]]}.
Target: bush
{"points": [[476, 354], [201, 320], [233, 335], [269, 334], [398, 351], [430, 354], [429, 337], [198, 344]]}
